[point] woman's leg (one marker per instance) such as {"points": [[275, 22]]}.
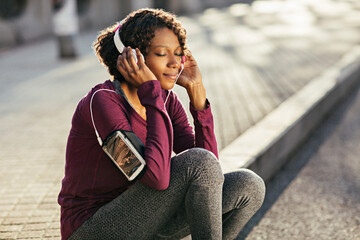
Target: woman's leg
{"points": [[140, 212], [243, 195]]}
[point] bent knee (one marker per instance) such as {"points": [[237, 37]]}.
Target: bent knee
{"points": [[249, 182], [258, 184], [203, 164]]}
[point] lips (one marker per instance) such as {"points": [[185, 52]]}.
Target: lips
{"points": [[171, 76]]}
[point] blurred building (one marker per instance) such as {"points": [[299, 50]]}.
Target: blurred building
{"points": [[27, 20]]}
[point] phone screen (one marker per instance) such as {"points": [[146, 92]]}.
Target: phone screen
{"points": [[124, 155]]}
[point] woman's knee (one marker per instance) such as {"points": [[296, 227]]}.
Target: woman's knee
{"points": [[247, 183], [202, 164]]}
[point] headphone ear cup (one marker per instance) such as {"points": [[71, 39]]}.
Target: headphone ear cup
{"points": [[133, 51]]}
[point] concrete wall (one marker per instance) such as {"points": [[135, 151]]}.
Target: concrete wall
{"points": [[34, 22]]}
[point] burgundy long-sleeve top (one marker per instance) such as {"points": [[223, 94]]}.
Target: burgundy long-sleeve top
{"points": [[92, 180]]}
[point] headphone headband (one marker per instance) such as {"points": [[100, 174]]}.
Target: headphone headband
{"points": [[120, 46], [117, 41]]}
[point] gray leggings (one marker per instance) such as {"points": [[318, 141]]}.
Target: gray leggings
{"points": [[200, 201]]}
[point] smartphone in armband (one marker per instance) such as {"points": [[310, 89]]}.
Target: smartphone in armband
{"points": [[124, 148], [126, 151]]}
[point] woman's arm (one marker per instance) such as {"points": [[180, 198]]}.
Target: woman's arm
{"points": [[200, 109], [191, 80], [110, 115], [159, 136], [184, 135]]}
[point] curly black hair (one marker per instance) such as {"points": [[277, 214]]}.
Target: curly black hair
{"points": [[137, 31]]}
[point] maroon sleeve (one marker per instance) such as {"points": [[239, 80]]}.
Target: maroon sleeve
{"points": [[159, 136], [204, 129], [184, 136], [110, 116]]}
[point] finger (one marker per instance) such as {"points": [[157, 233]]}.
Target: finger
{"points": [[123, 72], [125, 62], [189, 56], [120, 64], [120, 67], [190, 60], [141, 61], [124, 54], [131, 60]]}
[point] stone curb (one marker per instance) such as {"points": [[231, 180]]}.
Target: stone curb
{"points": [[265, 147]]}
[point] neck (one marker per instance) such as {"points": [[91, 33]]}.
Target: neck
{"points": [[131, 94]]}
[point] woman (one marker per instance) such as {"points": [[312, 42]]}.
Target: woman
{"points": [[176, 196]]}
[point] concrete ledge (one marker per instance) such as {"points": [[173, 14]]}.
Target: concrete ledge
{"points": [[265, 147]]}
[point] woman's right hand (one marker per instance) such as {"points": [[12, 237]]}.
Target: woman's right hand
{"points": [[135, 74]]}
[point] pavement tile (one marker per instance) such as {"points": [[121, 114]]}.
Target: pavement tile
{"points": [[25, 207], [10, 228], [15, 220], [35, 226], [20, 213], [52, 233], [41, 219], [31, 234], [8, 235]]}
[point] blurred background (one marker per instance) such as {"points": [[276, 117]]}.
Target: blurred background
{"points": [[27, 20]]}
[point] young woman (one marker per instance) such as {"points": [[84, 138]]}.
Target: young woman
{"points": [[177, 195]]}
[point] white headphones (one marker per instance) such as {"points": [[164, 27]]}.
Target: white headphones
{"points": [[118, 43], [120, 46]]}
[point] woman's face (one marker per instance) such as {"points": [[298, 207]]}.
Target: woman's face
{"points": [[164, 57]]}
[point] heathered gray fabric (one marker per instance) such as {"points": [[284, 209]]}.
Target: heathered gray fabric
{"points": [[194, 202]]}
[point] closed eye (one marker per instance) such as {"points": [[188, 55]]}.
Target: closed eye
{"points": [[163, 55]]}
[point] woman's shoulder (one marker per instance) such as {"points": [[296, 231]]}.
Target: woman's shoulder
{"points": [[107, 85], [101, 93], [173, 102]]}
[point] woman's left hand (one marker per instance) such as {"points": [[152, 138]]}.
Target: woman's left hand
{"points": [[191, 80]]}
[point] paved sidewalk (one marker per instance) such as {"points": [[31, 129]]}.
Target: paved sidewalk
{"points": [[317, 194], [252, 58]]}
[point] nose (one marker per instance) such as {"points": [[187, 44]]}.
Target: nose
{"points": [[174, 61]]}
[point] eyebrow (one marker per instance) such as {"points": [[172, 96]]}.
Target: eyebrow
{"points": [[163, 46]]}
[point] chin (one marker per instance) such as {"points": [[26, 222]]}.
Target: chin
{"points": [[166, 85]]}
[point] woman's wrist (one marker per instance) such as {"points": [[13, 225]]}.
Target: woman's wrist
{"points": [[197, 95]]}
